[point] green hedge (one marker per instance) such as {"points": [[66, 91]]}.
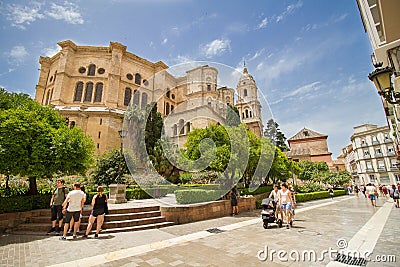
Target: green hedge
{"points": [[24, 203], [197, 195], [303, 197], [259, 190]]}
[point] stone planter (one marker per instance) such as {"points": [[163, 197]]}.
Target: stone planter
{"points": [[117, 194]]}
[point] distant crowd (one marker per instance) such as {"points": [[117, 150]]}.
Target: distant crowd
{"points": [[373, 192]]}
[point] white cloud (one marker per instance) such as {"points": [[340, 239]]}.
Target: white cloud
{"points": [[165, 41], [20, 15], [23, 15], [69, 13], [304, 89], [216, 47], [50, 51], [263, 24], [17, 54], [257, 54], [260, 66], [289, 10]]}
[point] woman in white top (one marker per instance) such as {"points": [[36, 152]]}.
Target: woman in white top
{"points": [[286, 197], [275, 196]]}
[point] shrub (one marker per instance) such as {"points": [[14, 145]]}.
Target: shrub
{"points": [[197, 195], [185, 177], [303, 197], [24, 203], [308, 187], [259, 190]]}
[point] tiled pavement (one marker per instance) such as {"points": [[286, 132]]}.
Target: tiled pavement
{"points": [[318, 228]]}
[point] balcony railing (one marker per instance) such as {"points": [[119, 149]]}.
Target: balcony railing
{"points": [[394, 168], [369, 170], [391, 153], [367, 156], [381, 169], [388, 140], [364, 144], [378, 155], [375, 142]]}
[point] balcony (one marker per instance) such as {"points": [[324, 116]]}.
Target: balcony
{"points": [[394, 168], [369, 170], [364, 144], [378, 155], [367, 156], [374, 143], [388, 140], [381, 169], [391, 153]]}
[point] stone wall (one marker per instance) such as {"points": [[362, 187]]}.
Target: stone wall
{"points": [[8, 221], [201, 211]]}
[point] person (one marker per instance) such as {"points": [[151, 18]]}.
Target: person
{"points": [[385, 190], [331, 192], [275, 196], [395, 195], [356, 190], [234, 201], [363, 190], [57, 199], [100, 209], [291, 188], [72, 222], [372, 192], [75, 202], [380, 190], [285, 198]]}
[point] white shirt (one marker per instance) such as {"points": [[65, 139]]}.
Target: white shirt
{"points": [[275, 195], [75, 199], [284, 195]]}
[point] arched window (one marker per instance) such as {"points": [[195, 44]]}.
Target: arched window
{"points": [[168, 92], [136, 97], [172, 108], [228, 99], [208, 87], [242, 115], [98, 93], [47, 98], [144, 100], [250, 114], [188, 127], [175, 129], [181, 126], [245, 92], [166, 108], [247, 113], [55, 76], [78, 92], [209, 101], [88, 92], [138, 78], [92, 70], [127, 96]]}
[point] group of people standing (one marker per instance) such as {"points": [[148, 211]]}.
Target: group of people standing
{"points": [[67, 206], [373, 192], [285, 203]]}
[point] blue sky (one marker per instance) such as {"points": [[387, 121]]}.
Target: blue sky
{"points": [[310, 58]]}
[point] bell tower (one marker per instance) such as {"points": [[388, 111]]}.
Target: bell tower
{"points": [[248, 105]]}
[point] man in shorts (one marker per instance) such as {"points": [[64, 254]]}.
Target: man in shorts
{"points": [[372, 193], [75, 201], [57, 199]]}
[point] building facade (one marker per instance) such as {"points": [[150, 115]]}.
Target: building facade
{"points": [[350, 161], [93, 86], [374, 155], [381, 20], [310, 145]]}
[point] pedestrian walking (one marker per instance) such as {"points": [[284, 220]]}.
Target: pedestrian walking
{"points": [[275, 196], [286, 203], [356, 190], [372, 193], [395, 195], [57, 199], [331, 192], [75, 202], [100, 209]]}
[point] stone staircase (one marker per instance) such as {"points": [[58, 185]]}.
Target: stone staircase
{"points": [[118, 220]]}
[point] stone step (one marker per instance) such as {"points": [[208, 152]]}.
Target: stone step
{"points": [[88, 209], [104, 231], [44, 227], [110, 217]]}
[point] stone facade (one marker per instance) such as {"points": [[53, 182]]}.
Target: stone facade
{"points": [[310, 145], [92, 87], [374, 155]]}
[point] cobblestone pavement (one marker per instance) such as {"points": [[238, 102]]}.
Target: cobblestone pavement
{"points": [[318, 226]]}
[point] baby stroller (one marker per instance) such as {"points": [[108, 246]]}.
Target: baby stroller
{"points": [[268, 212]]}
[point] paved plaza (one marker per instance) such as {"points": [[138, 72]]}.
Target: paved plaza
{"points": [[344, 224]]}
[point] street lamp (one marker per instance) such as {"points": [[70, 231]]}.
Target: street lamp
{"points": [[383, 83]]}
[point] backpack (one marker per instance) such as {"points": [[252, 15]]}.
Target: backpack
{"points": [[396, 193]]}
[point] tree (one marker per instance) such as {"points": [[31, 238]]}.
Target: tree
{"points": [[313, 171], [110, 166], [154, 125], [337, 178], [36, 142], [274, 134], [232, 116], [282, 167]]}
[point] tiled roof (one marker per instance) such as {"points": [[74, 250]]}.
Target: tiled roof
{"points": [[306, 152], [306, 134]]}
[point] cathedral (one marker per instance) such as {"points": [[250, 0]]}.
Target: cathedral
{"points": [[92, 87]]}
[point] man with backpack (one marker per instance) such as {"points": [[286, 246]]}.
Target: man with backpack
{"points": [[57, 199]]}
